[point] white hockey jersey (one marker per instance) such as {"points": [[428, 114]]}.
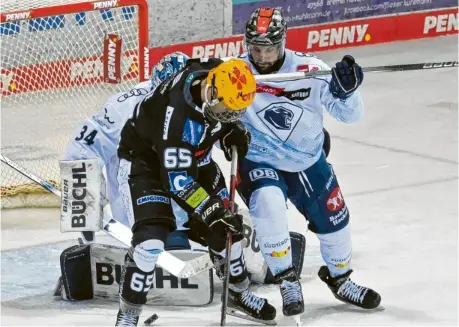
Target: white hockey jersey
{"points": [[286, 119], [98, 136]]}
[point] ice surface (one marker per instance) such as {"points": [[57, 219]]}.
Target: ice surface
{"points": [[398, 173]]}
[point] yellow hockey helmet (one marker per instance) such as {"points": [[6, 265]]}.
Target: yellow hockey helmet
{"points": [[236, 89]]}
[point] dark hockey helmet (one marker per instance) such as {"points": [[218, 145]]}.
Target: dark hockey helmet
{"points": [[266, 27]]}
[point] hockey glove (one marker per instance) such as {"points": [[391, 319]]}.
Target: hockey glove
{"points": [[347, 76], [214, 222], [239, 136]]}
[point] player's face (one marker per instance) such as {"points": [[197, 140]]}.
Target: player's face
{"points": [[217, 110], [264, 56]]}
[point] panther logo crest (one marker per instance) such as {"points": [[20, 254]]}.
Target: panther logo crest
{"points": [[280, 117]]}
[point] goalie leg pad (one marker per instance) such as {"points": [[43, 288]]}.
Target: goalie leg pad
{"points": [[76, 273], [96, 273]]}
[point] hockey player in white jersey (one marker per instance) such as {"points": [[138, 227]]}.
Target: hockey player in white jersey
{"points": [[286, 160], [98, 136]]}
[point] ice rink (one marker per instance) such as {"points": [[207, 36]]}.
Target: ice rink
{"points": [[398, 171]]}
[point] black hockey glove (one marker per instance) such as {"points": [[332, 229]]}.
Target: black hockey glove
{"points": [[347, 76], [214, 222], [239, 136]]}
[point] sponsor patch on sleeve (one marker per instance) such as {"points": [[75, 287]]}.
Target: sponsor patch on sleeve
{"points": [[192, 132], [153, 198]]}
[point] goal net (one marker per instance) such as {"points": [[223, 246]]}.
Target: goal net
{"points": [[60, 60]]}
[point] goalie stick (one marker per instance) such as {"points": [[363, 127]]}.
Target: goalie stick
{"points": [[177, 267], [376, 69]]}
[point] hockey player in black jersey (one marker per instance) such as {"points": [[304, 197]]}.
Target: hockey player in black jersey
{"points": [[164, 154]]}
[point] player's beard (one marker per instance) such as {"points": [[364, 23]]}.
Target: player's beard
{"points": [[264, 67]]}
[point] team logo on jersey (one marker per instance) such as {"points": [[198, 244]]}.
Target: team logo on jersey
{"points": [[281, 118]]}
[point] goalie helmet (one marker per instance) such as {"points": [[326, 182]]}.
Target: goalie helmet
{"points": [[266, 30], [235, 88], [168, 66]]}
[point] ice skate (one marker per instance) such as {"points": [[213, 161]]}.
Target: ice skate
{"points": [[128, 314], [247, 305], [292, 294], [345, 290]]}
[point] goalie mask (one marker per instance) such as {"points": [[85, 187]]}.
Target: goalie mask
{"points": [[168, 66], [230, 89], [264, 40]]}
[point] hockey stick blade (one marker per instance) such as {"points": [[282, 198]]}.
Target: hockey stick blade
{"points": [[376, 69], [177, 267]]}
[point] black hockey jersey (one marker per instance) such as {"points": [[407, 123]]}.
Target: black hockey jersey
{"points": [[168, 130]]}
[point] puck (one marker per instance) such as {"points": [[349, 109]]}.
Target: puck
{"points": [[151, 320]]}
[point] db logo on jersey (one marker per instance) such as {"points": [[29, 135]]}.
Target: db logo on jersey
{"points": [[335, 201], [263, 173]]}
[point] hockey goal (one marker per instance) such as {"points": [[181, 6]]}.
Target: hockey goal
{"points": [[60, 60]]}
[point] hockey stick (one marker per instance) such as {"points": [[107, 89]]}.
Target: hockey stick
{"points": [[229, 236], [376, 69], [177, 267]]}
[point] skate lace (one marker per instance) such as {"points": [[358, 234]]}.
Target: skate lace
{"points": [[352, 291], [252, 301], [291, 292], [126, 320]]}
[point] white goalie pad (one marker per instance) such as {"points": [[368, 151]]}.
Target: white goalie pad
{"points": [[81, 195], [93, 271], [166, 290]]}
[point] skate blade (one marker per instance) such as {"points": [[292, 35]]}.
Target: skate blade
{"points": [[240, 315], [378, 308]]}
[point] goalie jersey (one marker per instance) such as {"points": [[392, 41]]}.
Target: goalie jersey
{"points": [[98, 136], [286, 119]]}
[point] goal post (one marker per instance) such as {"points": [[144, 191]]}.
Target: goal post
{"points": [[60, 61]]}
